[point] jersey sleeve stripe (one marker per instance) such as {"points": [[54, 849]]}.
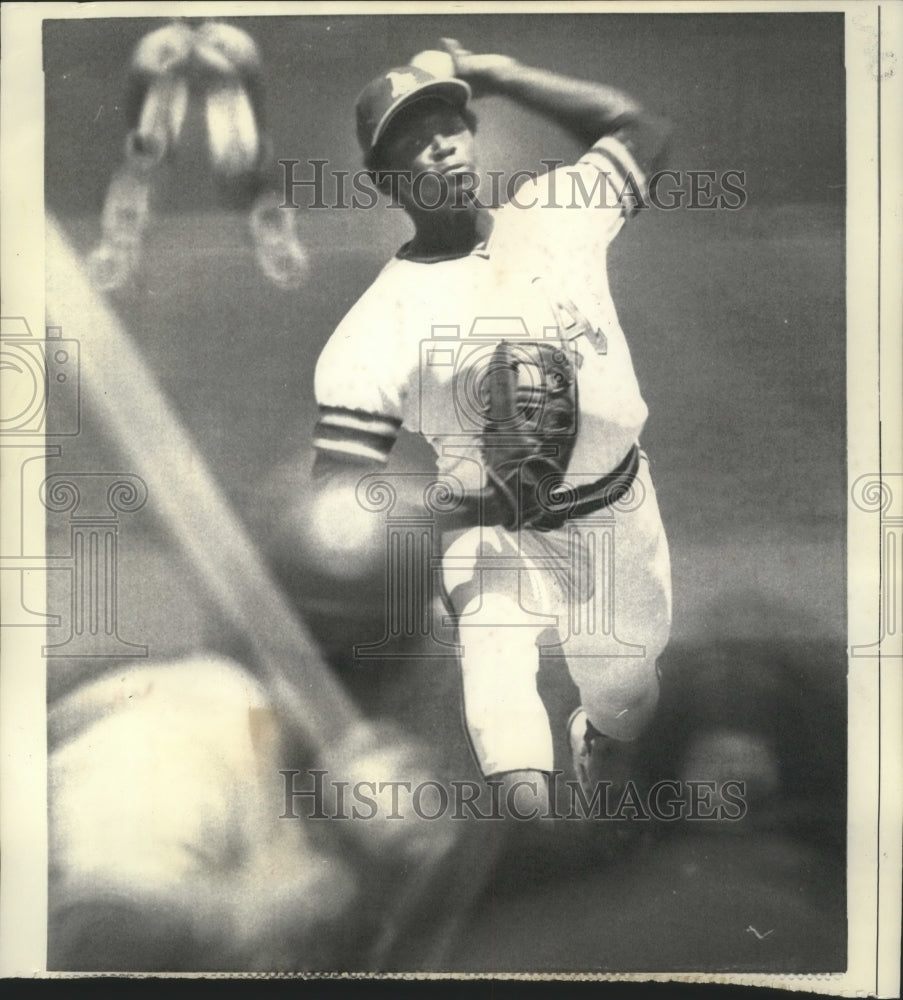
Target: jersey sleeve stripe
{"points": [[354, 432], [355, 449], [630, 179], [376, 423], [621, 157]]}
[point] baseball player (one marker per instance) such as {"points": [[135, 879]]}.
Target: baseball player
{"points": [[493, 334], [219, 66]]}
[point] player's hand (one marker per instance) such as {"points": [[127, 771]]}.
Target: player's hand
{"points": [[484, 72]]}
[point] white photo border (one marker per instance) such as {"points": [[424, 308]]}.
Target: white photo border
{"points": [[873, 42]]}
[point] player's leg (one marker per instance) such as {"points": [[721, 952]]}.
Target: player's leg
{"points": [[506, 720], [618, 680]]}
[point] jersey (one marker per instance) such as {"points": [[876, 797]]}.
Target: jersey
{"points": [[413, 351]]}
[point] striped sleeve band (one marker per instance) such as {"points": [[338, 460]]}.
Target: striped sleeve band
{"points": [[622, 171], [355, 433]]}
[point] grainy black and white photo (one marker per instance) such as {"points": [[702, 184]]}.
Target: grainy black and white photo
{"points": [[432, 490]]}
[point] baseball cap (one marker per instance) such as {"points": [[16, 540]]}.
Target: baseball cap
{"points": [[385, 96]]}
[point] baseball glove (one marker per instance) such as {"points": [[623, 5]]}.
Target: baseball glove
{"points": [[530, 405]]}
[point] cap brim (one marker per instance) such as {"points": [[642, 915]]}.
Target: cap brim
{"points": [[453, 91]]}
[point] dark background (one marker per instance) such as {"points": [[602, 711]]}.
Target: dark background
{"points": [[757, 92], [736, 321]]}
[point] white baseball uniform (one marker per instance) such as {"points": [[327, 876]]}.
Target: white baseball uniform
{"points": [[412, 351]]}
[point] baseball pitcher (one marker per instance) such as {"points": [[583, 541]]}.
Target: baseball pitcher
{"points": [[493, 334]]}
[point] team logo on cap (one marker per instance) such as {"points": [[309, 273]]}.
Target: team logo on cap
{"points": [[401, 83]]}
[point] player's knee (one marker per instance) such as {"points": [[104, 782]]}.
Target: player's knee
{"points": [[657, 639], [623, 703], [493, 642]]}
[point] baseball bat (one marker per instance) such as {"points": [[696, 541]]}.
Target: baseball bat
{"points": [[185, 495]]}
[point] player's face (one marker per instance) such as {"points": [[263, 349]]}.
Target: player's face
{"points": [[430, 138]]}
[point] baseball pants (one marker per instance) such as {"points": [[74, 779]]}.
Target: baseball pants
{"points": [[597, 590]]}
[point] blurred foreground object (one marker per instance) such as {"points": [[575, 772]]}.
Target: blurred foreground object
{"points": [[218, 66], [202, 734], [167, 851]]}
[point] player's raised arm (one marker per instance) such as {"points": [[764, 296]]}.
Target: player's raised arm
{"points": [[586, 109]]}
